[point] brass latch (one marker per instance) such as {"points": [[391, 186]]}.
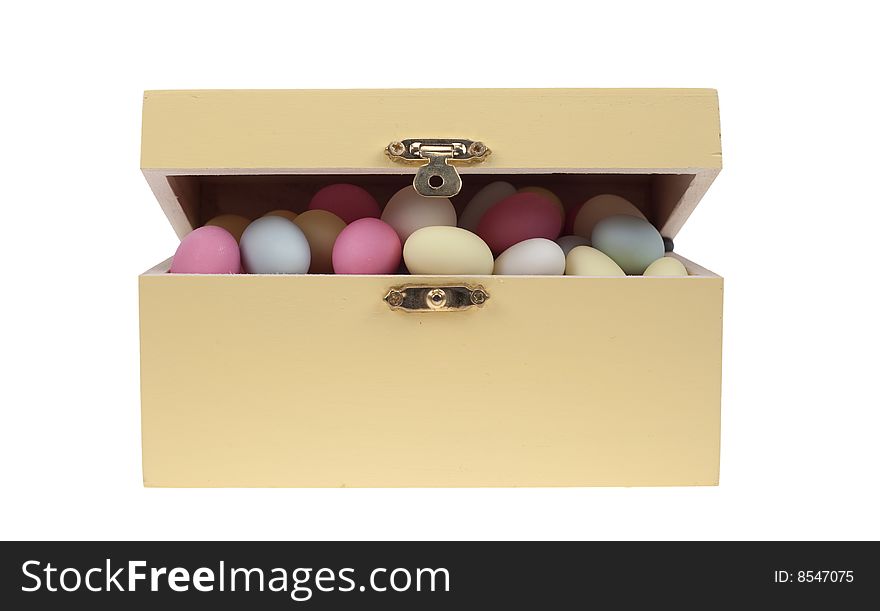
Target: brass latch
{"points": [[435, 298], [437, 178]]}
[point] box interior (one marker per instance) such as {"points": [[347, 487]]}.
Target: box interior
{"points": [[252, 195], [202, 197]]}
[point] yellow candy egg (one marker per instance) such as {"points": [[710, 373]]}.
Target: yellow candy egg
{"points": [[666, 266], [587, 261], [447, 250]]}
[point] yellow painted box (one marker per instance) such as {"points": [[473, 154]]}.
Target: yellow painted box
{"points": [[313, 380]]}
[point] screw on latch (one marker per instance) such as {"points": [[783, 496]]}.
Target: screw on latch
{"points": [[396, 148], [478, 297], [477, 149], [394, 298]]}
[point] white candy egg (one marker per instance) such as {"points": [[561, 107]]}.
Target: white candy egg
{"points": [[274, 245], [407, 211], [534, 257]]}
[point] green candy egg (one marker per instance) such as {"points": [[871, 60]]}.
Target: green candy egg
{"points": [[631, 242]]}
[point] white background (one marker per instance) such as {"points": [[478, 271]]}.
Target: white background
{"points": [[792, 223]]}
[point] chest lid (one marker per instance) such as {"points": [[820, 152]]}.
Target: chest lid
{"points": [[661, 146]]}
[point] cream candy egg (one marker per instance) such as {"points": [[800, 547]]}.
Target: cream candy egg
{"points": [[599, 207], [407, 211], [321, 229], [632, 242], [484, 199], [567, 242], [587, 261], [534, 257], [274, 245], [666, 266], [447, 251], [207, 250], [233, 223]]}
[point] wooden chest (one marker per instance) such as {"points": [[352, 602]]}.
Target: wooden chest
{"points": [[313, 380]]}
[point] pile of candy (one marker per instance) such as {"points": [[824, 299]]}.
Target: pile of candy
{"points": [[502, 230]]}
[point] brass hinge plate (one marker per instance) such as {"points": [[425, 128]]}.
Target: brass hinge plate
{"points": [[437, 177], [435, 298]]}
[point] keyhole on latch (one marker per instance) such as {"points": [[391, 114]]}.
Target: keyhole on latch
{"points": [[436, 181], [436, 298]]}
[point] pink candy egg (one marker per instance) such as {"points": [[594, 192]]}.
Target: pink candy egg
{"points": [[348, 202], [367, 246], [521, 216], [207, 250]]}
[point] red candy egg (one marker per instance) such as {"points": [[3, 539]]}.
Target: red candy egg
{"points": [[521, 216], [348, 202]]}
